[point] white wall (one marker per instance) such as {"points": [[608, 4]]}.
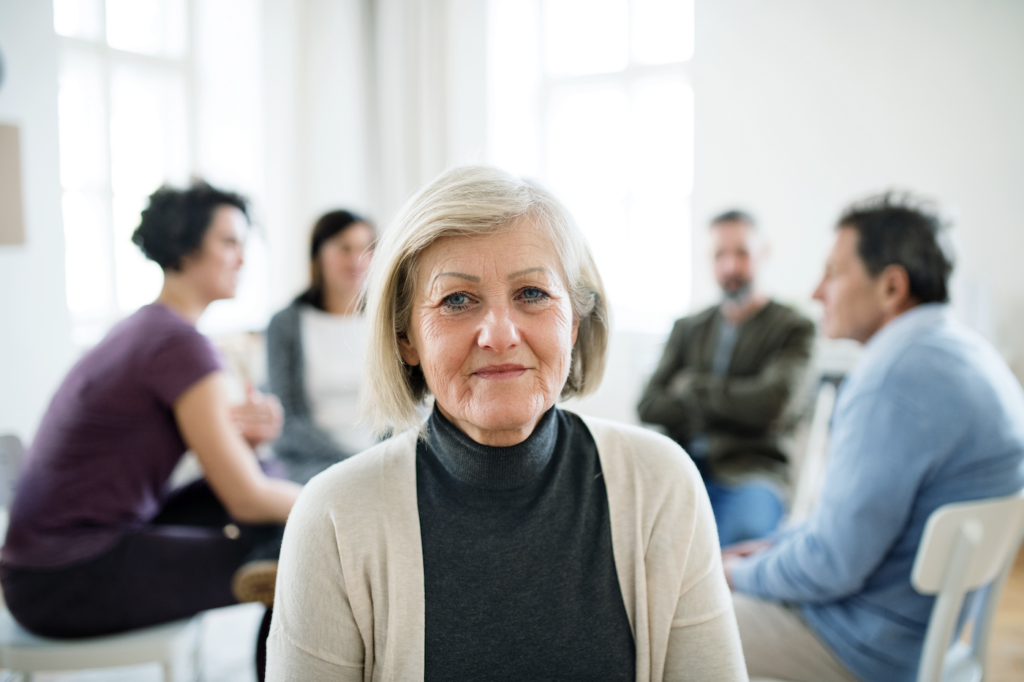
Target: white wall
{"points": [[35, 333], [802, 106]]}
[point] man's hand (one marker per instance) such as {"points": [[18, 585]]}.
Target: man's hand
{"points": [[259, 418], [733, 554], [680, 383]]}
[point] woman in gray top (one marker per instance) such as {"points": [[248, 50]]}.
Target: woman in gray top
{"points": [[315, 351]]}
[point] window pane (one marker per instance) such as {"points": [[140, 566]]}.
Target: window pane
{"points": [[662, 31], [148, 137], [154, 27], [82, 122], [586, 140], [138, 278], [229, 93], [585, 36], [661, 126], [513, 82], [78, 18], [148, 145], [87, 254]]}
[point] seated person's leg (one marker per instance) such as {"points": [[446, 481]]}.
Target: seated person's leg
{"points": [[158, 574], [748, 511], [778, 644]]}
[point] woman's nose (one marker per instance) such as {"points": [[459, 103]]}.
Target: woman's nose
{"points": [[498, 331]]}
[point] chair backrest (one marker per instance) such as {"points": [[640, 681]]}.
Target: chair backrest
{"points": [[965, 546], [994, 529], [812, 467]]}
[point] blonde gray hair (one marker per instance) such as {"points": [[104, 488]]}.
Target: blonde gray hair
{"points": [[469, 202]]}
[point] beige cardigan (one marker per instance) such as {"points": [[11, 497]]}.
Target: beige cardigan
{"points": [[349, 602]]}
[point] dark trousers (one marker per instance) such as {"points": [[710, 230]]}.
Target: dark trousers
{"points": [[175, 567]]}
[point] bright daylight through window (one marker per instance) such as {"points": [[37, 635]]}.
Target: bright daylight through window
{"points": [[593, 97], [136, 111]]}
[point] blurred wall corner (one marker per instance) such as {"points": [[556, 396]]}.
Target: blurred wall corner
{"points": [[35, 345]]}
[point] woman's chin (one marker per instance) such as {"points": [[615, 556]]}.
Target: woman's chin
{"points": [[496, 423]]}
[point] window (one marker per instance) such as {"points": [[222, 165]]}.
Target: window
{"points": [[136, 82], [593, 97]]}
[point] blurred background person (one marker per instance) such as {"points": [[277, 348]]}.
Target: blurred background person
{"points": [[724, 382], [931, 415], [98, 543], [316, 351]]}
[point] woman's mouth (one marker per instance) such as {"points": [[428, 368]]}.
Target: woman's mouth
{"points": [[500, 371]]}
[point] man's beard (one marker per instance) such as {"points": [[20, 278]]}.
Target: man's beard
{"points": [[740, 294]]}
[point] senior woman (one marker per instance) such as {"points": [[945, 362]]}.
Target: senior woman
{"points": [[504, 539]]}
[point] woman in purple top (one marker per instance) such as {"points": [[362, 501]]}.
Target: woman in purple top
{"points": [[98, 543]]}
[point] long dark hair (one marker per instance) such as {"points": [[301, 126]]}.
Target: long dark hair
{"points": [[329, 225]]}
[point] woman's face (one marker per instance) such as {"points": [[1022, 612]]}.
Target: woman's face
{"points": [[213, 267], [492, 328], [345, 258]]}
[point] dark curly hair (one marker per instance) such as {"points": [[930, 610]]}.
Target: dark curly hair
{"points": [[176, 220], [329, 225], [895, 228]]}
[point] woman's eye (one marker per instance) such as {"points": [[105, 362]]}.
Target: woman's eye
{"points": [[532, 294], [456, 301]]}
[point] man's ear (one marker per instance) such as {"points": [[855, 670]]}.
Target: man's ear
{"points": [[895, 284], [408, 351]]}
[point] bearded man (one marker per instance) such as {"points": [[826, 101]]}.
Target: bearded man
{"points": [[724, 382]]}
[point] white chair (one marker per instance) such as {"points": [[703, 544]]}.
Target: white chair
{"points": [[965, 546], [24, 653], [812, 465], [169, 645]]}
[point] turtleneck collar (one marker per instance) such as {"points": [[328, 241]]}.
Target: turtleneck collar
{"points": [[493, 468]]}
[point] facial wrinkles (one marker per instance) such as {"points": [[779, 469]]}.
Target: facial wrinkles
{"points": [[499, 326]]}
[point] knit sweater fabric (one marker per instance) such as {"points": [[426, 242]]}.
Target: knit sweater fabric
{"points": [[521, 531]]}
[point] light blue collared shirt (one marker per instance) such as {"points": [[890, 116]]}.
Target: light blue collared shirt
{"points": [[930, 415]]}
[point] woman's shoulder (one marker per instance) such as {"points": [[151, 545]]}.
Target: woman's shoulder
{"points": [[368, 480], [287, 317], [648, 455]]}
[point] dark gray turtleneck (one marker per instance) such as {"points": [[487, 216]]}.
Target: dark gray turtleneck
{"points": [[519, 576]]}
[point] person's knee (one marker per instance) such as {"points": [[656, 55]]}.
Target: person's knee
{"points": [[756, 511]]}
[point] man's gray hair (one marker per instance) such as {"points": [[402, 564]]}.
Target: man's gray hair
{"points": [[469, 202]]}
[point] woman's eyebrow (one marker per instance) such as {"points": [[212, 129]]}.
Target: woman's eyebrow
{"points": [[460, 275], [520, 273]]}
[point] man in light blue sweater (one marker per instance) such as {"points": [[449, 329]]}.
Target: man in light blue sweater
{"points": [[930, 415]]}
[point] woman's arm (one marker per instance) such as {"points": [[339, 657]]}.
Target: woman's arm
{"points": [[705, 647], [704, 643], [203, 414], [314, 634]]}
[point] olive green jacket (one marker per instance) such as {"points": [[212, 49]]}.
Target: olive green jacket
{"points": [[743, 414]]}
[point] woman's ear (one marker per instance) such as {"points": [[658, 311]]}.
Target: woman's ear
{"points": [[408, 351]]}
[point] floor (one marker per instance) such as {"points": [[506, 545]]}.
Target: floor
{"points": [[228, 636], [1006, 651]]}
